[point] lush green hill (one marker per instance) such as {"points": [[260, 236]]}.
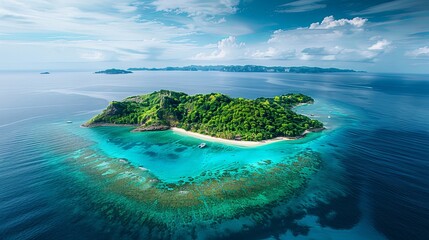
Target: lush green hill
{"points": [[113, 71], [212, 114]]}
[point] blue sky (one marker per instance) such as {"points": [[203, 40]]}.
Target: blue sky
{"points": [[377, 36]]}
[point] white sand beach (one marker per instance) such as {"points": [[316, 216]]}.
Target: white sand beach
{"points": [[227, 141]]}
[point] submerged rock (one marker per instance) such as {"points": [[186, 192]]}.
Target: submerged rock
{"points": [[151, 128]]}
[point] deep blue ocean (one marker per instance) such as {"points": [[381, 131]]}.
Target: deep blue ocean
{"points": [[375, 151]]}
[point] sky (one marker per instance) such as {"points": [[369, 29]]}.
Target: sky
{"points": [[375, 36]]}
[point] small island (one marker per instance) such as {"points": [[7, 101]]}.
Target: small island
{"points": [[45, 73], [114, 71], [216, 115]]}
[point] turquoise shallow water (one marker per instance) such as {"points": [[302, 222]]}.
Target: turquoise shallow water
{"points": [[112, 154], [61, 181], [171, 156]]}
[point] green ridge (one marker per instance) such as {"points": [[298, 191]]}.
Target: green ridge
{"points": [[211, 114]]}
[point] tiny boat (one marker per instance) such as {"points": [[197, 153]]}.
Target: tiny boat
{"points": [[143, 168], [202, 145], [123, 160], [329, 116], [69, 122]]}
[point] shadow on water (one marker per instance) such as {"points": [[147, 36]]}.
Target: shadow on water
{"points": [[180, 149]]}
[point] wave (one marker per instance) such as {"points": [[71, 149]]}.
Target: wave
{"points": [[24, 120]]}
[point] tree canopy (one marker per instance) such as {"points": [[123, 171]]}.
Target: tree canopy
{"points": [[213, 114]]}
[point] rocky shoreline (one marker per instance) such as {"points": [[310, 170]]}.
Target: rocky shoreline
{"points": [[151, 128]]}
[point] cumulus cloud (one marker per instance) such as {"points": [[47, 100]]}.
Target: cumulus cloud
{"points": [[330, 22], [419, 52], [227, 48], [330, 40], [380, 45], [301, 6]]}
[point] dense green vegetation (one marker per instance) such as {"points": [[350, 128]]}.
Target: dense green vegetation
{"points": [[212, 114], [114, 71]]}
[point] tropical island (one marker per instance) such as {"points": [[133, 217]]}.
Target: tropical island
{"points": [[214, 114], [114, 71], [247, 68]]}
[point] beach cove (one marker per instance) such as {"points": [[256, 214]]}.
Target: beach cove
{"points": [[229, 141]]}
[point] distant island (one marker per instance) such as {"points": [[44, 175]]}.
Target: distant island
{"points": [[114, 71], [44, 73], [247, 68], [214, 114]]}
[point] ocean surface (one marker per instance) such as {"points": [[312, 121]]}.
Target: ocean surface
{"points": [[61, 181]]}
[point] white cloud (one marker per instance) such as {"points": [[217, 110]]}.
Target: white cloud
{"points": [[272, 53], [330, 22], [222, 20], [301, 6], [380, 45], [331, 40], [83, 18], [420, 52], [135, 31], [112, 30], [198, 7], [204, 16], [125, 7], [93, 56], [218, 26], [96, 30], [304, 36], [226, 48]]}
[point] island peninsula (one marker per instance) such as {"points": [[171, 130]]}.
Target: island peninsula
{"points": [[216, 115]]}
